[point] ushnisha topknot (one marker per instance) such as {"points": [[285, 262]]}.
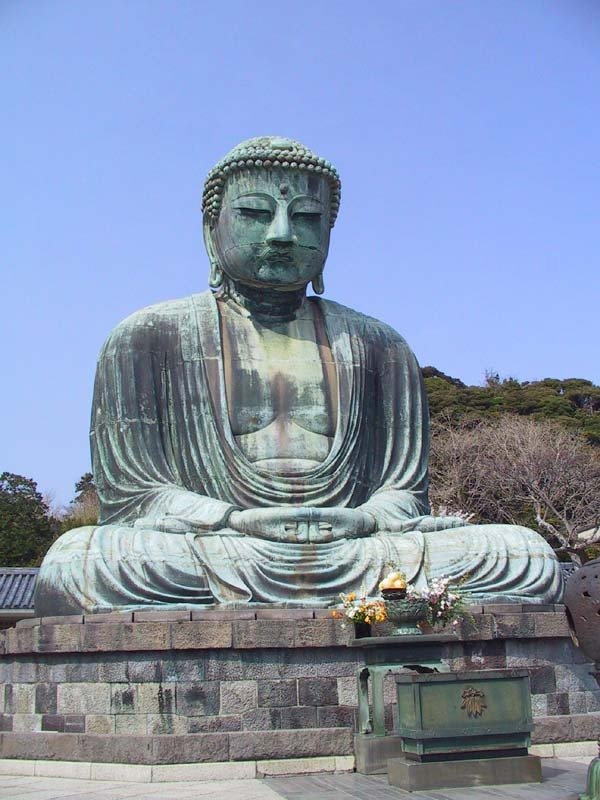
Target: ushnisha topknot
{"points": [[267, 151]]}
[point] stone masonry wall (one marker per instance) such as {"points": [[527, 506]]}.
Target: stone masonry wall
{"points": [[218, 685]]}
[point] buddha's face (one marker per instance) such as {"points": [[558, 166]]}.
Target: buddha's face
{"points": [[273, 228]]}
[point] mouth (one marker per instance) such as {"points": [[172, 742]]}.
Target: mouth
{"points": [[271, 256]]}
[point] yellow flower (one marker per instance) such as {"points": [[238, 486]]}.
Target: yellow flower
{"points": [[351, 596]]}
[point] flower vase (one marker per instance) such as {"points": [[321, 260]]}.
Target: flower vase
{"points": [[362, 630]]}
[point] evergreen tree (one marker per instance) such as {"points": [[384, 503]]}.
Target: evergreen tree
{"points": [[26, 528]]}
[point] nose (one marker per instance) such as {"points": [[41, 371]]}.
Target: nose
{"points": [[280, 230]]}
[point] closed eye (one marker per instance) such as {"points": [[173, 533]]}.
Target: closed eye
{"points": [[256, 213], [306, 216]]}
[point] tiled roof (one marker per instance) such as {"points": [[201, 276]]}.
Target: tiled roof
{"points": [[17, 586]]}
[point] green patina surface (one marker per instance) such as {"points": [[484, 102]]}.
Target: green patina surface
{"points": [[253, 444], [445, 715]]}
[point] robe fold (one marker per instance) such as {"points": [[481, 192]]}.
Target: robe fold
{"points": [[162, 447]]}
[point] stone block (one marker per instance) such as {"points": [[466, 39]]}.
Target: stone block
{"points": [[477, 627], [302, 743], [75, 723], [126, 773], [540, 652], [22, 640], [81, 670], [577, 703], [114, 636], [542, 680], [285, 614], [317, 692], [372, 752], [59, 638], [131, 749], [201, 698], [298, 717], [16, 766], [67, 619], [548, 730], [131, 724], [83, 698], [502, 608], [238, 696], [277, 693], [295, 766], [262, 719], [339, 662], [166, 724], [574, 678], [19, 698], [45, 698], [197, 635], [345, 763], [53, 722], [551, 625], [105, 617], [155, 698], [584, 727], [321, 633], [156, 615], [336, 717], [542, 750], [539, 705], [576, 750], [100, 723], [194, 747], [413, 776], [98, 747], [6, 722], [74, 770], [347, 691], [123, 698], [515, 626], [592, 701], [259, 664], [263, 633], [39, 745], [216, 724], [112, 669], [242, 770], [27, 722], [558, 704], [225, 665], [221, 614]]}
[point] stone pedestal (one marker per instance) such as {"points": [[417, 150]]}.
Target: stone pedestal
{"points": [[246, 685], [413, 776]]}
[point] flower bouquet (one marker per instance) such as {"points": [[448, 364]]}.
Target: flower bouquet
{"points": [[445, 606], [361, 611]]}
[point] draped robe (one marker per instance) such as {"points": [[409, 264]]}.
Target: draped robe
{"points": [[162, 445]]}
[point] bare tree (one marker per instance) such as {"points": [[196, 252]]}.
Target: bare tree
{"points": [[521, 471]]}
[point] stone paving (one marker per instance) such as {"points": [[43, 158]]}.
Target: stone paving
{"points": [[563, 780]]}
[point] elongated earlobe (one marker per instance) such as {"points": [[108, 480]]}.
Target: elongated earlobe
{"points": [[317, 284], [215, 279]]}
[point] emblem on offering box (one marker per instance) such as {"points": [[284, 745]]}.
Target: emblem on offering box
{"points": [[473, 701]]}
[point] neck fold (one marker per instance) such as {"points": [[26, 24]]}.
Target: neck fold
{"points": [[264, 303]]}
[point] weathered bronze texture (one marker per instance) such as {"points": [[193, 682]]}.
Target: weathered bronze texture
{"points": [[406, 613], [449, 716], [253, 444], [582, 598]]}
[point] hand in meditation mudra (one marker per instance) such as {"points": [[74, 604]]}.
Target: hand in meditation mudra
{"points": [[253, 444]]}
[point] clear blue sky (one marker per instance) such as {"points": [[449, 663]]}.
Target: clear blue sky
{"points": [[466, 133]]}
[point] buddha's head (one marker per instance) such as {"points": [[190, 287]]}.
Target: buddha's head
{"points": [[269, 207]]}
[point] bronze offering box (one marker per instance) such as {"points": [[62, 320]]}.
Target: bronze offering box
{"points": [[454, 716]]}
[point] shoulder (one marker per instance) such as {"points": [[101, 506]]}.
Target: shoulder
{"points": [[159, 322], [370, 329]]}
